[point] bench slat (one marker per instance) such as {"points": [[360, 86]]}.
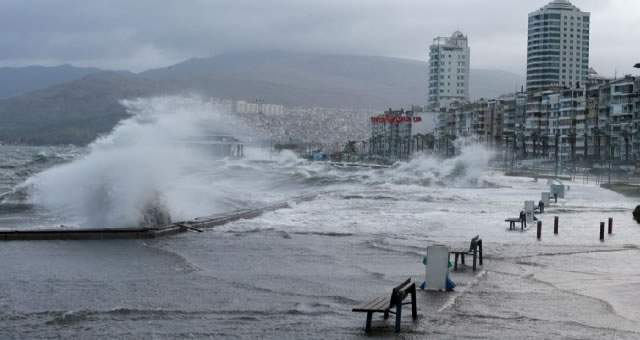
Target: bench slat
{"points": [[375, 304], [405, 285], [369, 303], [379, 304]]}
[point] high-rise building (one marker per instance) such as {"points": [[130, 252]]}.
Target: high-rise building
{"points": [[448, 71], [558, 47]]}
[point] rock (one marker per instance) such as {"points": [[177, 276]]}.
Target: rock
{"points": [[155, 213]]}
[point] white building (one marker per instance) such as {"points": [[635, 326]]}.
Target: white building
{"points": [[256, 107], [448, 71], [558, 46]]}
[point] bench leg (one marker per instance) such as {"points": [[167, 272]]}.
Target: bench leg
{"points": [[475, 255], [414, 307], [367, 327], [455, 262], [386, 314], [398, 316], [480, 246], [462, 258]]}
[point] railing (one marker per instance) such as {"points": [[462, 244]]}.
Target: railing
{"points": [[578, 175]]}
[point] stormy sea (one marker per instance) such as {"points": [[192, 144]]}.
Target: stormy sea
{"points": [[297, 272]]}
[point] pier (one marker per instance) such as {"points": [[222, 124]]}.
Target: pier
{"points": [[102, 233]]}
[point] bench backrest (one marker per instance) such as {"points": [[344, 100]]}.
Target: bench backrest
{"points": [[400, 292], [474, 243]]}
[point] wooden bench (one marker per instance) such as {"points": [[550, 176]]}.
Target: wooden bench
{"points": [[512, 223], [384, 304], [475, 249]]}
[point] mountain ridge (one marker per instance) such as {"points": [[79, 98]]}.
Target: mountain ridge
{"points": [[20, 80], [79, 110]]}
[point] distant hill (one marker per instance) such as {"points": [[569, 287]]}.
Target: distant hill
{"points": [[297, 79], [18, 80], [300, 79], [493, 83], [77, 111]]}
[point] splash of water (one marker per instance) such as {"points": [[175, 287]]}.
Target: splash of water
{"points": [[140, 173], [465, 169]]}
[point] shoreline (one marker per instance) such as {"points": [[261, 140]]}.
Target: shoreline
{"points": [[297, 272], [183, 283], [628, 190]]}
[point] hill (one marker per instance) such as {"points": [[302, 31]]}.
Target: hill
{"points": [[300, 79], [77, 111], [18, 80]]}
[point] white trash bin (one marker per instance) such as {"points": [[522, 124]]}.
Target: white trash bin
{"points": [[437, 267], [544, 197], [529, 207], [557, 188]]}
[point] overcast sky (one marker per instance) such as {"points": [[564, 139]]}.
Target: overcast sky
{"points": [[141, 34]]}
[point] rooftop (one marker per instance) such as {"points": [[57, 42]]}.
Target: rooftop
{"points": [[456, 40], [560, 5]]}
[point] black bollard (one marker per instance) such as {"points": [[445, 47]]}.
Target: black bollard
{"points": [[555, 225], [610, 225], [602, 231], [539, 230]]}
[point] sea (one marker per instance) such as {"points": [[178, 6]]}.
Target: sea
{"points": [[295, 273]]}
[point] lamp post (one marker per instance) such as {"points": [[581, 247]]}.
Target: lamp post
{"points": [[506, 151], [557, 150]]}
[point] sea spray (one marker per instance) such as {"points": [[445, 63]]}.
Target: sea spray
{"points": [[464, 169], [140, 168]]}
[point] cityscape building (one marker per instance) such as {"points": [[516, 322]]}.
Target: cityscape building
{"points": [[558, 47], [449, 59]]}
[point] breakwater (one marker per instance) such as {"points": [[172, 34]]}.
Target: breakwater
{"points": [[197, 224]]}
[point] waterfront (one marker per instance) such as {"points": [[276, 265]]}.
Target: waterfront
{"points": [[297, 272]]}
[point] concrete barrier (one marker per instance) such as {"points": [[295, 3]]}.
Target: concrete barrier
{"points": [[66, 233]]}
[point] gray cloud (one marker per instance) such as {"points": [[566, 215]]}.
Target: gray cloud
{"points": [[141, 34]]}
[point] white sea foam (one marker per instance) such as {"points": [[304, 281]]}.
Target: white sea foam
{"points": [[141, 165], [465, 169]]}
